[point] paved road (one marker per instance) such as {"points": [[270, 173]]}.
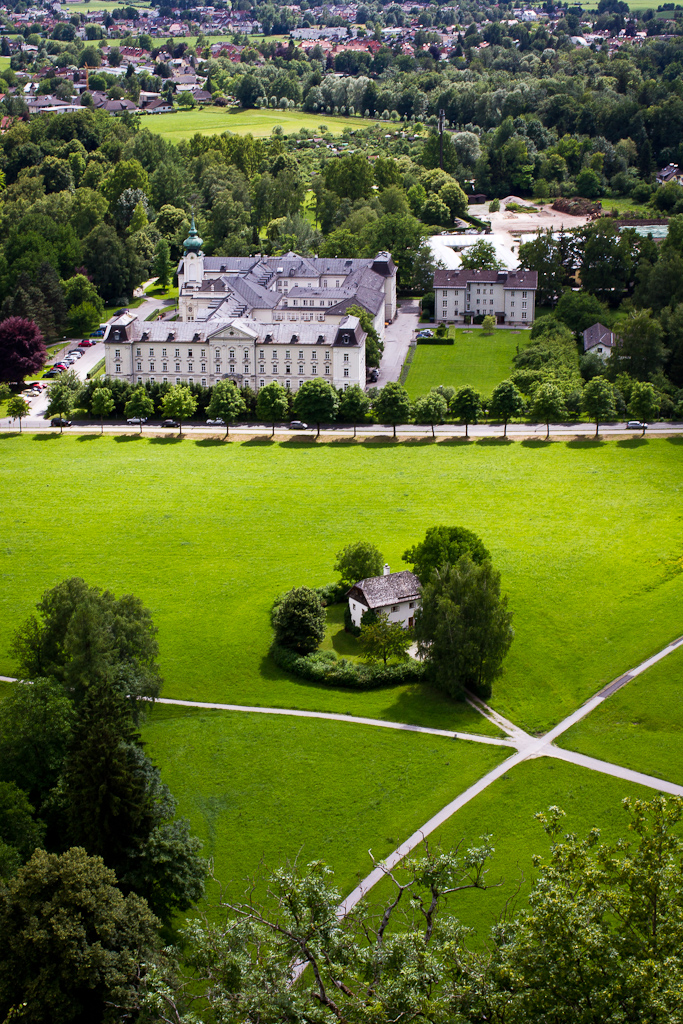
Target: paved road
{"points": [[397, 338]]}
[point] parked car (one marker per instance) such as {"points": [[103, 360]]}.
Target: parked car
{"points": [[86, 343], [169, 423], [373, 375], [54, 373], [298, 425], [425, 334], [215, 423], [61, 366], [37, 385], [137, 419], [59, 421], [76, 353], [99, 333], [636, 425]]}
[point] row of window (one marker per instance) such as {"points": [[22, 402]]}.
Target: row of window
{"points": [[262, 369]]}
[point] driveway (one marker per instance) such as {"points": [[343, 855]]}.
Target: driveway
{"points": [[397, 337]]}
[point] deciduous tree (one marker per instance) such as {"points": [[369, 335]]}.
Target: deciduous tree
{"points": [[444, 545], [226, 403], [17, 408], [102, 403], [61, 401], [431, 408], [299, 621], [22, 349], [392, 405], [466, 405], [179, 403], [162, 262], [481, 256], [598, 401], [358, 562], [548, 404], [464, 628], [644, 402], [382, 640], [353, 405], [139, 406], [506, 402], [317, 401], [272, 404]]}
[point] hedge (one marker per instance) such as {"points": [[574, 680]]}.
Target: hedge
{"points": [[436, 341], [324, 667]]}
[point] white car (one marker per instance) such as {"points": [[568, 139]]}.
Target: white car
{"points": [[215, 423], [137, 419]]}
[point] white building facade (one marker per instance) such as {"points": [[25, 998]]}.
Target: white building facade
{"points": [[462, 295], [394, 594], [247, 352]]}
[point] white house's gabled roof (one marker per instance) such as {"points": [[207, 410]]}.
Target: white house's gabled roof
{"points": [[380, 591]]}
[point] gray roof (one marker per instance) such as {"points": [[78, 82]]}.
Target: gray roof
{"points": [[598, 334], [508, 278], [380, 591]]}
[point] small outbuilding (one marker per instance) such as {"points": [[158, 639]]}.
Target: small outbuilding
{"points": [[394, 594]]}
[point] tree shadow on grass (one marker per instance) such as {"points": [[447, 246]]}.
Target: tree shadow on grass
{"points": [[678, 439], [588, 442], [299, 442], [90, 437], [495, 442], [342, 442], [456, 442], [380, 441], [173, 439], [45, 437], [632, 442], [419, 442], [123, 438], [260, 442], [212, 442], [536, 442]]}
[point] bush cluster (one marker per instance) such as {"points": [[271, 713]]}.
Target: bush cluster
{"points": [[325, 667]]}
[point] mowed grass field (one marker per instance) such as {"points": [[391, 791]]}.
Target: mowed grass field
{"points": [[261, 789], [482, 360], [183, 124], [641, 726], [506, 812], [587, 538]]}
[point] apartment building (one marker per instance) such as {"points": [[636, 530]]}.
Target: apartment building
{"points": [[462, 295]]}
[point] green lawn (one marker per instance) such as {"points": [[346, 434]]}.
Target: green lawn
{"points": [[207, 534], [482, 360], [259, 123], [627, 206], [641, 726], [506, 811], [259, 789], [344, 644]]}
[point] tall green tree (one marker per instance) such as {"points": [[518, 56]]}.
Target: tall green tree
{"points": [[358, 561], [316, 400], [73, 949], [83, 636], [444, 545], [179, 403], [162, 262], [226, 403], [139, 405], [17, 408], [392, 405], [644, 402], [431, 408], [382, 640], [272, 404], [506, 402], [548, 405], [466, 405], [299, 621], [61, 401], [102, 404], [481, 256], [20, 833], [597, 401], [641, 352], [463, 628], [354, 405]]}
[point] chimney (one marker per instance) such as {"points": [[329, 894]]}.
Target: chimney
{"points": [[387, 570]]}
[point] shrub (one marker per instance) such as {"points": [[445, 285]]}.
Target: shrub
{"points": [[299, 620], [324, 667]]}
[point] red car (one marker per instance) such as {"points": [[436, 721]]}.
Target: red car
{"points": [[86, 343]]}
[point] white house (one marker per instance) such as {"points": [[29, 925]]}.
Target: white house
{"points": [[462, 295], [394, 594], [599, 340]]}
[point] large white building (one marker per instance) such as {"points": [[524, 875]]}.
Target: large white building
{"points": [[287, 289], [462, 295], [244, 351]]}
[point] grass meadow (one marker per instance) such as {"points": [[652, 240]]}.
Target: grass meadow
{"points": [[183, 124], [506, 812], [641, 726], [261, 789], [482, 360], [586, 536]]}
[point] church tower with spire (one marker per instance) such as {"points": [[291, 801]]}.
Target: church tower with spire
{"points": [[193, 258]]}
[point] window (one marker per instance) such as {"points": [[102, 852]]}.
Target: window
{"points": [[151, 367], [294, 303], [203, 353], [288, 384], [346, 387], [261, 354], [151, 352], [118, 368], [524, 305], [117, 353], [346, 357], [177, 353], [138, 351], [139, 366], [301, 369], [165, 380], [314, 369], [273, 355], [288, 354], [232, 367], [261, 383], [301, 355], [411, 604], [177, 367], [203, 367], [163, 353], [189, 366], [189, 353], [394, 607], [491, 301], [327, 355], [314, 354], [177, 380], [336, 284], [261, 369], [512, 304], [346, 371], [151, 380], [300, 383], [232, 353], [327, 369], [523, 295], [288, 369], [478, 291], [164, 367], [203, 382], [523, 316]]}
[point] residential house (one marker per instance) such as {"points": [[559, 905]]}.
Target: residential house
{"points": [[394, 594], [599, 340], [509, 295]]}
